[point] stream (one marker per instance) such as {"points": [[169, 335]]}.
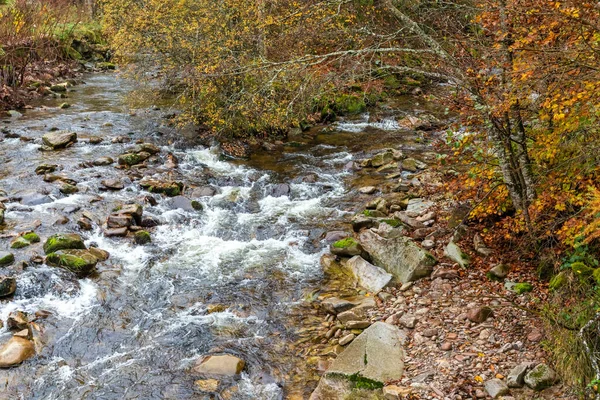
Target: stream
{"points": [[227, 279]]}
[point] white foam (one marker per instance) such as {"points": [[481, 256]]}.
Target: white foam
{"points": [[386, 124]]}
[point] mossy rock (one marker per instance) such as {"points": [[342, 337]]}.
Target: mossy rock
{"points": [[523, 287], [67, 188], [560, 280], [19, 243], [349, 104], [581, 270], [101, 255], [394, 223], [106, 66], [31, 237], [373, 214], [142, 237], [129, 159], [80, 262], [6, 258], [196, 205], [63, 241]]}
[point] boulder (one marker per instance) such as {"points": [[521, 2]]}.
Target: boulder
{"points": [[381, 159], [59, 139], [8, 285], [219, 365], [541, 377], [516, 377], [279, 190], [185, 204], [453, 252], [101, 255], [130, 159], [496, 388], [80, 262], [6, 258], [35, 199], [63, 241], [170, 188], [15, 351], [347, 247], [399, 256], [368, 275], [375, 356], [102, 161]]}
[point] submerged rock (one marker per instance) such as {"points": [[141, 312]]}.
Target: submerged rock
{"points": [[35, 199], [400, 256], [59, 139], [219, 365], [15, 351], [43, 169], [102, 161], [63, 241]]}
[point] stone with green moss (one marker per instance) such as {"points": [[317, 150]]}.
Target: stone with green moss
{"points": [[106, 65], [559, 280], [348, 247], [522, 287], [349, 104], [67, 188], [63, 241], [581, 270], [373, 213], [142, 237], [6, 258], [31, 237], [80, 262], [540, 378], [129, 159], [19, 243], [394, 223]]}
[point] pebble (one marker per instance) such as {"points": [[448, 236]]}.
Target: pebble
{"points": [[347, 339]]}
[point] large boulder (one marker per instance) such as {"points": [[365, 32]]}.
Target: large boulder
{"points": [[219, 365], [63, 241], [376, 356], [15, 351], [59, 139], [399, 256], [80, 262], [369, 276]]}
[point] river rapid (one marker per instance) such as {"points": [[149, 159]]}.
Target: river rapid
{"points": [[231, 278]]}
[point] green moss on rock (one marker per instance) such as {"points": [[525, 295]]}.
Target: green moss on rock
{"points": [[142, 237], [31, 237], [523, 287], [19, 243], [343, 243], [129, 159], [63, 241], [6, 258], [559, 281], [80, 262]]}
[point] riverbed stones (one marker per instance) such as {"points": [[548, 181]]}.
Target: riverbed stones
{"points": [[80, 262], [103, 161], [335, 305], [43, 169], [376, 355], [453, 252], [6, 258], [207, 385], [540, 377], [15, 351], [496, 388], [400, 256], [369, 276], [67, 188], [59, 140], [280, 190], [63, 241], [35, 199], [219, 365], [120, 221], [116, 232], [8, 285], [131, 159]]}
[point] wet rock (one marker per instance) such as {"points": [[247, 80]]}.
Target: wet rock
{"points": [[63, 241], [183, 203], [453, 252], [335, 305], [381, 159], [80, 262], [95, 140], [112, 184], [479, 314], [19, 242], [8, 285], [85, 224], [15, 351], [59, 139], [387, 168], [416, 207], [43, 169], [149, 222], [119, 221], [17, 321], [204, 191], [146, 148], [516, 377], [496, 388], [279, 190], [334, 236], [368, 190], [101, 255], [169, 188], [399, 256], [207, 385], [357, 324], [67, 188], [369, 276], [360, 221], [115, 232], [219, 365], [541, 377], [369, 355], [347, 247], [130, 159], [35, 199], [102, 161], [2, 211], [59, 88], [332, 388], [142, 237], [134, 210]]}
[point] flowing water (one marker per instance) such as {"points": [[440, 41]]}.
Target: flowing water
{"points": [[224, 279]]}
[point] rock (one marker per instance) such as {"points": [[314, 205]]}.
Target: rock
{"points": [[416, 207], [499, 272], [80, 262], [149, 222], [410, 164], [453, 252], [393, 392], [347, 247], [63, 241], [368, 275], [279, 190], [535, 335], [146, 148], [444, 273], [64, 106], [183, 203], [334, 236], [142, 237], [376, 355], [332, 388], [19, 242], [96, 140], [361, 221], [347, 339], [2, 211], [496, 388], [399, 256], [35, 199], [111, 232], [207, 385], [14, 114], [17, 321], [120, 221], [102, 161], [6, 258], [408, 321], [335, 305], [112, 184], [67, 188], [101, 255], [446, 346], [382, 158], [8, 285], [541, 377], [15, 351], [522, 287], [130, 159], [85, 224], [169, 188], [368, 190], [428, 244], [59, 88], [59, 139], [134, 210], [387, 168], [516, 377], [219, 365], [204, 191], [479, 314], [43, 169]]}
